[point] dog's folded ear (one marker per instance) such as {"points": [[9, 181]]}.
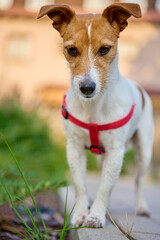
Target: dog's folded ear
{"points": [[60, 14], [118, 13]]}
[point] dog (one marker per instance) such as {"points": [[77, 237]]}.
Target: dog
{"points": [[102, 110]]}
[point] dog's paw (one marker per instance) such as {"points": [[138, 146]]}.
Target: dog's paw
{"points": [[143, 212], [78, 220], [94, 222]]}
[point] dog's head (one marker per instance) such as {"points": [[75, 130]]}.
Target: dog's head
{"points": [[90, 42]]}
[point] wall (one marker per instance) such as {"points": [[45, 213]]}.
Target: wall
{"points": [[44, 65]]}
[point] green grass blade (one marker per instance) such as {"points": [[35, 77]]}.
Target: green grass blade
{"points": [[15, 210], [65, 208], [24, 178], [33, 223], [65, 213], [29, 214], [31, 236], [44, 225], [66, 223], [54, 231], [70, 215], [20, 233]]}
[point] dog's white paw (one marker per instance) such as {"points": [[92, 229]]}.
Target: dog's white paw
{"points": [[78, 219], [95, 222], [143, 212], [142, 209]]}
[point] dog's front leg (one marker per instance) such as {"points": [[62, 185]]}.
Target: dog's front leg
{"points": [[110, 172], [77, 162]]}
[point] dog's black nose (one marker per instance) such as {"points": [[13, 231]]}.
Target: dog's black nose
{"points": [[87, 88]]}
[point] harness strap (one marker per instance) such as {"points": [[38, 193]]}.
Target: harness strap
{"points": [[95, 128], [95, 143]]}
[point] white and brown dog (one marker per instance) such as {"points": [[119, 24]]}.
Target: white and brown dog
{"points": [[102, 109]]}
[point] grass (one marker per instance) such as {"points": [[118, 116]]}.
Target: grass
{"points": [[31, 140], [43, 161], [126, 231], [34, 232], [129, 162]]}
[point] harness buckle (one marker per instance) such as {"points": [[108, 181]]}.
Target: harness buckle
{"points": [[97, 149], [64, 112]]}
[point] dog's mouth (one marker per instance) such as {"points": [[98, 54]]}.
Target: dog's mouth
{"points": [[87, 97]]}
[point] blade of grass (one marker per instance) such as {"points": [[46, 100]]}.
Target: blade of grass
{"points": [[31, 236], [29, 214], [24, 178], [20, 233], [132, 223], [65, 208], [127, 222], [44, 225], [65, 212], [66, 223], [113, 222], [123, 227], [35, 230], [54, 231], [15, 210]]}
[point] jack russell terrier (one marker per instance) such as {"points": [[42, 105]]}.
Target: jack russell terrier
{"points": [[102, 110]]}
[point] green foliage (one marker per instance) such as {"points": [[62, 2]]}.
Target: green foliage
{"points": [[128, 163], [92, 161], [43, 161], [12, 180], [30, 139]]}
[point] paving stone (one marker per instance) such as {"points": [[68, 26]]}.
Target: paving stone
{"points": [[107, 233], [142, 228], [140, 224], [122, 201], [122, 198], [143, 236]]}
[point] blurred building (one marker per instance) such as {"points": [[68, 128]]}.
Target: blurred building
{"points": [[31, 55], [33, 67]]}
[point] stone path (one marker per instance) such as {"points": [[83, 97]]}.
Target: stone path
{"points": [[121, 209]]}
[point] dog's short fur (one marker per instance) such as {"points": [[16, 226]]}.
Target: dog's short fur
{"points": [[90, 47]]}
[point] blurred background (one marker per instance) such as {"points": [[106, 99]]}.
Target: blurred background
{"points": [[34, 76]]}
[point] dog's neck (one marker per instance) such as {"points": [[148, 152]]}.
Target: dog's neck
{"points": [[89, 106]]}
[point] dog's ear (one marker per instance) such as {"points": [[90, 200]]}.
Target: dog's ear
{"points": [[118, 13], [60, 14]]}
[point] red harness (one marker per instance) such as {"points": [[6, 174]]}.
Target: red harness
{"points": [[94, 128]]}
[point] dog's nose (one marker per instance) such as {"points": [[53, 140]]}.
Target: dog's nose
{"points": [[87, 88]]}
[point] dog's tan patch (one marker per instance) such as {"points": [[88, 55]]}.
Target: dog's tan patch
{"points": [[82, 38], [142, 96], [103, 35], [77, 33]]}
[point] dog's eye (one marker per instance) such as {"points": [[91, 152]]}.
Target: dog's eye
{"points": [[103, 51], [72, 51]]}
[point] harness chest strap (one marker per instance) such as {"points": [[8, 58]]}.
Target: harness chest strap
{"points": [[94, 128]]}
